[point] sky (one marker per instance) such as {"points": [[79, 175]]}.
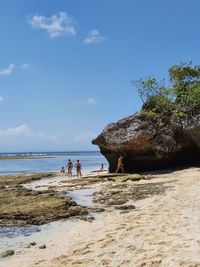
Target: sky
{"points": [[66, 65]]}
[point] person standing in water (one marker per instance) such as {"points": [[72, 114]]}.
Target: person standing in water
{"points": [[120, 165], [69, 168], [78, 168]]}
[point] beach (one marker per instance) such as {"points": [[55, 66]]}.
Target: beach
{"points": [[99, 133], [162, 229]]}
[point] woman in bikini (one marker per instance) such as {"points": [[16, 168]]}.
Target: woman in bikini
{"points": [[120, 165], [69, 168]]}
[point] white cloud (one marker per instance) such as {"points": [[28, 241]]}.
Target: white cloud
{"points": [[24, 66], [24, 135], [8, 70], [89, 101], [1, 99], [20, 131], [94, 36], [56, 25], [22, 138]]}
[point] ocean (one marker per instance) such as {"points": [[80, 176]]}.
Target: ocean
{"points": [[90, 160]]}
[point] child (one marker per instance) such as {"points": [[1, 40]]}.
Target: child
{"points": [[62, 171]]}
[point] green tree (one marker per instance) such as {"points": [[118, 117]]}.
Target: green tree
{"points": [[182, 99], [157, 99], [185, 81]]}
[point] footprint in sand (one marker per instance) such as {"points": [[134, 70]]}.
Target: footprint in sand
{"points": [[140, 250], [100, 240], [86, 252], [107, 254], [125, 263], [42, 261], [163, 243], [105, 263], [119, 228], [131, 248], [129, 228], [109, 235], [84, 262], [81, 251], [63, 259], [107, 242], [154, 263], [189, 264]]}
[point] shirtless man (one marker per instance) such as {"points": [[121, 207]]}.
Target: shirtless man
{"points": [[78, 168], [120, 165], [69, 168]]}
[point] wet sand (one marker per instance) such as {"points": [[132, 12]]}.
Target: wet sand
{"points": [[163, 230]]}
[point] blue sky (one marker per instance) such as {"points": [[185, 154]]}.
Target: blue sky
{"points": [[66, 66]]}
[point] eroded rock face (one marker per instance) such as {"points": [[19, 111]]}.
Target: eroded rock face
{"points": [[147, 143]]}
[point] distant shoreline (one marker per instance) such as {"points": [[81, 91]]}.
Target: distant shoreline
{"points": [[37, 155], [29, 156]]}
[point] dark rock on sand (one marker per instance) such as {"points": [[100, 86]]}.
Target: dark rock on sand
{"points": [[43, 247], [125, 207], [32, 244], [147, 143], [96, 209], [7, 253]]}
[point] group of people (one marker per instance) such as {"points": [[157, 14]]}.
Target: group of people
{"points": [[69, 166], [78, 167]]}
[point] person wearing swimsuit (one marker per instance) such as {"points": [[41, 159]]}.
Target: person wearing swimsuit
{"points": [[78, 168], [102, 168], [69, 168], [120, 165], [62, 171]]}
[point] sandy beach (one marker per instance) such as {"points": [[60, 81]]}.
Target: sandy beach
{"points": [[163, 230], [99, 133]]}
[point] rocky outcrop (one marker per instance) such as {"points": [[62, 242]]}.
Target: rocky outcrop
{"points": [[148, 143]]}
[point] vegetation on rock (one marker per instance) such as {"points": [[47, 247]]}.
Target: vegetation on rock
{"points": [[181, 100]]}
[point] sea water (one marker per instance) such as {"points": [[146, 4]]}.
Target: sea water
{"points": [[51, 161]]}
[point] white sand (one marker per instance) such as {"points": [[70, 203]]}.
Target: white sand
{"points": [[164, 230]]}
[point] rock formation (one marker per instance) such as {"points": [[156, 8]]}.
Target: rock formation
{"points": [[147, 143]]}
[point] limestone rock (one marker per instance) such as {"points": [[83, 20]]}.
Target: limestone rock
{"points": [[147, 143]]}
